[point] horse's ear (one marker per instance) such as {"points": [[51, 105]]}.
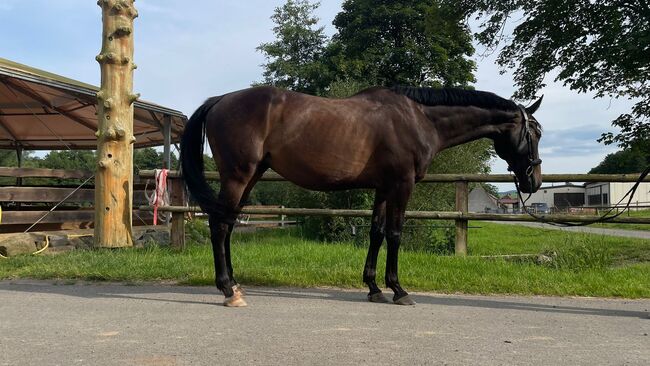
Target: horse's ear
{"points": [[533, 108]]}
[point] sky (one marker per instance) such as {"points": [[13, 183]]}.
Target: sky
{"points": [[187, 51]]}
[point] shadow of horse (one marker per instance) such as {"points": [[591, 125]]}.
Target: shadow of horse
{"points": [[183, 295]]}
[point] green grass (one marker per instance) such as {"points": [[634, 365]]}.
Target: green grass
{"points": [[583, 266], [639, 213], [495, 239]]}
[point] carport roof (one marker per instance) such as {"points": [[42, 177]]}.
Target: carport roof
{"points": [[40, 110]]}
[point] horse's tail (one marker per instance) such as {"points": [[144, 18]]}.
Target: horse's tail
{"points": [[192, 170]]}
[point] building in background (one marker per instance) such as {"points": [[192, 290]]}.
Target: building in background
{"points": [[481, 200], [509, 204], [559, 198], [610, 194]]}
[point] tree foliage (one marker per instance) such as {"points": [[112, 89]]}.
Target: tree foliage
{"points": [[148, 159], [600, 46], [380, 42], [410, 42], [294, 59], [632, 160]]}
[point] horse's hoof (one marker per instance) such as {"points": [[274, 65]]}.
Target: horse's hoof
{"points": [[235, 301], [404, 300], [377, 297]]}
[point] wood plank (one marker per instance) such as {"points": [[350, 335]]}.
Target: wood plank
{"points": [[448, 178], [44, 173], [56, 217], [428, 215], [56, 195], [40, 194]]}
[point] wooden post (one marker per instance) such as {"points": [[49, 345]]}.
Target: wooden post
{"points": [[177, 198], [167, 134], [19, 158], [462, 198], [283, 218], [114, 176], [19, 181]]}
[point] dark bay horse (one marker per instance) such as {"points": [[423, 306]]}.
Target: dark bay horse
{"points": [[380, 138]]}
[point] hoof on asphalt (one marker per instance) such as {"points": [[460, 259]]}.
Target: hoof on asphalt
{"points": [[377, 297], [238, 288], [235, 301], [405, 300]]}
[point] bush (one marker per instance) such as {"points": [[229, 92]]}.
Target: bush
{"points": [[197, 231]]}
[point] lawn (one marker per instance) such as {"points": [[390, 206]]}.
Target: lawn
{"points": [[638, 213], [582, 265]]}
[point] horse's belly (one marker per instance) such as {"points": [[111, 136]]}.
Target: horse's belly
{"points": [[322, 172]]}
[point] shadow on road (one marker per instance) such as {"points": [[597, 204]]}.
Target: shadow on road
{"points": [[169, 293]]}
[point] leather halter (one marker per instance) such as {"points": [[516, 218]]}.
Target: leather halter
{"points": [[527, 136]]}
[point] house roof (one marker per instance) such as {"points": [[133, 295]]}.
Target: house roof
{"points": [[40, 110], [508, 200], [571, 185]]}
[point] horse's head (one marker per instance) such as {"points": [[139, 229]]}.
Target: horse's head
{"points": [[518, 144]]}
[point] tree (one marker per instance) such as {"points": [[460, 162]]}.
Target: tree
{"points": [[411, 42], [65, 159], [148, 159], [295, 57], [632, 160], [599, 46], [69, 159], [378, 43]]}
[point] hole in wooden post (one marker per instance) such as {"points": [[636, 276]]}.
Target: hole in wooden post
{"points": [[108, 208], [110, 38], [110, 156], [108, 117]]}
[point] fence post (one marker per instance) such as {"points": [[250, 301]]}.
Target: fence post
{"points": [[177, 198], [283, 218], [462, 198]]}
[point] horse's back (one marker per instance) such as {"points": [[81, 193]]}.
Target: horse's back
{"points": [[315, 142]]}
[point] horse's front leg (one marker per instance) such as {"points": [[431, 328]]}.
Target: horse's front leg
{"points": [[377, 231], [396, 206]]}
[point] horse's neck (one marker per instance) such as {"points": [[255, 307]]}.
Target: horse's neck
{"points": [[458, 125]]}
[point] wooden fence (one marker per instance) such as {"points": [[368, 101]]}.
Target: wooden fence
{"points": [[461, 216], [24, 205]]}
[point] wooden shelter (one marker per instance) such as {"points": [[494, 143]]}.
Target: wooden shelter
{"points": [[40, 110]]}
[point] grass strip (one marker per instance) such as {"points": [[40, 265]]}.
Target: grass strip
{"points": [[583, 265]]}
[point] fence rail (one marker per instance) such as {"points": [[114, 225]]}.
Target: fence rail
{"points": [[451, 178], [24, 205], [460, 216], [424, 215]]}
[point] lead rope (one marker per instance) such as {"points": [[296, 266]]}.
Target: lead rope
{"points": [[603, 218], [160, 195]]}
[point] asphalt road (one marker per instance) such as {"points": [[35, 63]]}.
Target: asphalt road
{"points": [[42, 323]]}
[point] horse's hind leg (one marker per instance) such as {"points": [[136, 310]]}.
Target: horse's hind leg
{"points": [[220, 221], [249, 187], [377, 232]]}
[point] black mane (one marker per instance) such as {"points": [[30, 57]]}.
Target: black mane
{"points": [[455, 97]]}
